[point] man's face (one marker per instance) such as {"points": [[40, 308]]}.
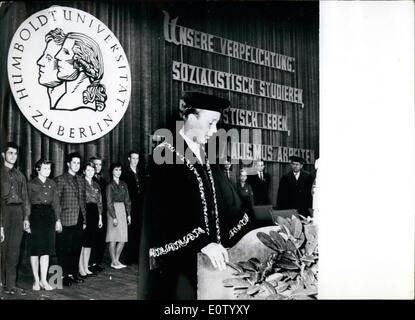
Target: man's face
{"points": [[48, 66], [98, 165], [74, 165], [64, 57], [260, 166], [243, 176], [133, 159], [202, 126], [296, 166], [10, 156], [227, 165]]}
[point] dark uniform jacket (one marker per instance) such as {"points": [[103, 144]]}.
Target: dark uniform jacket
{"points": [[13, 191], [117, 192], [260, 189], [295, 194], [246, 194], [176, 228], [44, 193], [72, 198]]}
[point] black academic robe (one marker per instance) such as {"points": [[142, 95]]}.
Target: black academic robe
{"points": [[175, 227], [260, 189], [295, 194]]}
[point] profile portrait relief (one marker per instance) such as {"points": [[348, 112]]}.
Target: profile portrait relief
{"points": [[48, 67], [72, 67]]}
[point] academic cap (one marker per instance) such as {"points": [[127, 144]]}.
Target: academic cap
{"points": [[199, 100], [297, 159]]}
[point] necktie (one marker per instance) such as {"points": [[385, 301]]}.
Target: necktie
{"points": [[228, 174]]}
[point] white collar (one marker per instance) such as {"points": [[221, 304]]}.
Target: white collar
{"points": [[297, 174], [195, 147]]}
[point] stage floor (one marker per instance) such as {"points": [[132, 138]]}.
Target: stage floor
{"points": [[110, 284]]}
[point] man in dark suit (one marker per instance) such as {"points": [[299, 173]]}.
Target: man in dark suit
{"points": [[97, 253], [131, 177], [229, 173], [260, 183], [294, 191], [72, 197]]}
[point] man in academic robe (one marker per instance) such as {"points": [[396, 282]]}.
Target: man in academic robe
{"points": [[181, 208], [294, 190]]}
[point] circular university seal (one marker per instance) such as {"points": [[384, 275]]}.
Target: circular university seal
{"points": [[69, 74]]}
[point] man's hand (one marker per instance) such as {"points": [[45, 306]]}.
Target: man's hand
{"points": [[115, 222], [2, 235], [129, 220], [58, 226], [26, 226], [100, 222], [217, 254], [84, 226]]}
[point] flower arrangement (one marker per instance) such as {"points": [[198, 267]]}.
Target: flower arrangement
{"points": [[289, 273]]}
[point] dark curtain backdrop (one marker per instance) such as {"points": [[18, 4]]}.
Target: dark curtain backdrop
{"points": [[289, 28]]}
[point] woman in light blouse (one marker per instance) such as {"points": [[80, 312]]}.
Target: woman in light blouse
{"points": [[119, 215], [93, 219], [42, 222]]}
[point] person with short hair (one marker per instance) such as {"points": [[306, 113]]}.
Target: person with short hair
{"points": [[131, 177], [14, 206], [245, 191], [93, 219], [42, 222], [119, 215], [71, 192], [98, 250], [260, 183], [294, 191], [182, 215], [229, 173]]}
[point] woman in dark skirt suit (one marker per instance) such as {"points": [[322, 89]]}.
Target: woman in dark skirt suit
{"points": [[42, 222], [93, 219]]}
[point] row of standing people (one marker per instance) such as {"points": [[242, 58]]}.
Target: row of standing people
{"points": [[84, 211], [294, 191]]}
